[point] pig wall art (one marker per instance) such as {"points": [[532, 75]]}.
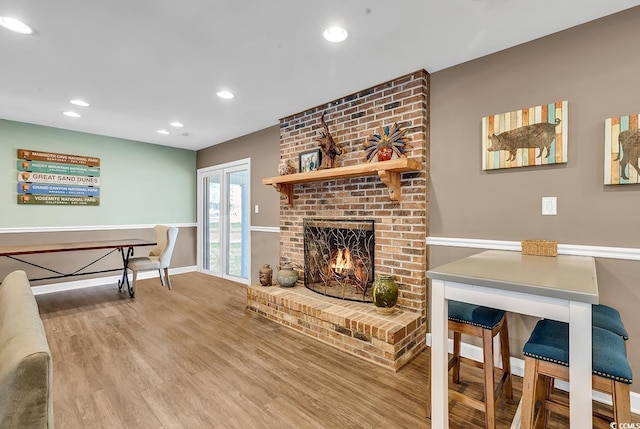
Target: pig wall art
{"points": [[527, 137], [621, 150]]}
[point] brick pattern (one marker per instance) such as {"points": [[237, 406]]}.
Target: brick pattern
{"points": [[389, 341], [400, 229]]}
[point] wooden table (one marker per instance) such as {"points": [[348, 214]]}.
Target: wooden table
{"points": [[560, 288], [110, 246]]}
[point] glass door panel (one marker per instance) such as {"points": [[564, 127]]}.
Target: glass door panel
{"points": [[238, 224], [224, 221], [213, 258]]}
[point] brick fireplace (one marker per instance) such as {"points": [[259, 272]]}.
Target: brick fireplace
{"points": [[400, 227]]}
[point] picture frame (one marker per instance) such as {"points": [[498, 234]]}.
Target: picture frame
{"points": [[309, 160], [621, 150], [527, 137]]}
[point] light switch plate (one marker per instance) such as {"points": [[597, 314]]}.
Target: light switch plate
{"points": [[549, 206]]}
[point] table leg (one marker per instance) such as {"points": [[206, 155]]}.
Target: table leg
{"points": [[125, 275], [580, 365], [439, 358]]}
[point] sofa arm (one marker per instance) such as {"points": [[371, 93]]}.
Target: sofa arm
{"points": [[25, 359]]}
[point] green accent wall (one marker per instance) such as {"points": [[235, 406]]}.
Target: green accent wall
{"points": [[141, 183]]}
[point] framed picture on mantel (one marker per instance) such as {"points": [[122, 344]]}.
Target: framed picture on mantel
{"points": [[310, 160]]}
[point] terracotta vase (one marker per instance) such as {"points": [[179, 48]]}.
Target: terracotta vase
{"points": [[385, 153], [384, 292]]}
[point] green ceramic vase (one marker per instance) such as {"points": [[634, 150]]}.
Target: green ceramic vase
{"points": [[287, 276], [384, 292]]}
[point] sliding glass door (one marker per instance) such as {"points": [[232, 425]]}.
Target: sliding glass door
{"points": [[224, 221]]}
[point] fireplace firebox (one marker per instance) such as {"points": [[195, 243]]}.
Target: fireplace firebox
{"points": [[339, 257]]}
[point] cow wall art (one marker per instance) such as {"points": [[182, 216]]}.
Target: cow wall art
{"points": [[621, 150], [527, 137]]}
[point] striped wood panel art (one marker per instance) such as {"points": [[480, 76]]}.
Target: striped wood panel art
{"points": [[621, 150], [527, 137]]}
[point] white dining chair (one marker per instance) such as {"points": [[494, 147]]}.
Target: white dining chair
{"points": [[159, 257]]}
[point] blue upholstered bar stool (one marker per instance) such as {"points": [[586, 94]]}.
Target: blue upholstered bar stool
{"points": [[547, 358], [485, 323], [608, 318]]}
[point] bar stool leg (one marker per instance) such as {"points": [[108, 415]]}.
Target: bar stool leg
{"points": [[489, 384], [621, 396], [529, 387], [543, 393], [506, 361], [457, 339]]}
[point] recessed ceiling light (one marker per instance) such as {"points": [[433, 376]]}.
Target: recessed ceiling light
{"points": [[71, 114], [162, 132], [225, 94], [78, 102], [15, 25], [335, 34], [177, 124]]}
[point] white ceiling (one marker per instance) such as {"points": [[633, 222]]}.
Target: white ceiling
{"points": [[145, 63]]}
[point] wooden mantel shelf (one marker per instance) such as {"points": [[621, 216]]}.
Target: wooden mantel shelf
{"points": [[388, 171]]}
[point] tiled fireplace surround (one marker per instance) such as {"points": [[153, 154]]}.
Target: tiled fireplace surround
{"points": [[400, 229]]}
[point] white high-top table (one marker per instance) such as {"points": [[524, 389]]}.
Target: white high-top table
{"points": [[560, 288]]}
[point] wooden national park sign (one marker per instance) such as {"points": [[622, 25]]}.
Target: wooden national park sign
{"points": [[34, 155], [46, 189], [58, 179], [57, 200], [57, 168]]}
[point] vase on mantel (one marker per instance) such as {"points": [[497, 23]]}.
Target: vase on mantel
{"points": [[384, 293], [385, 154], [286, 167]]}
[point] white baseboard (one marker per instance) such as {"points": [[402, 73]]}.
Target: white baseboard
{"points": [[100, 281], [627, 253], [517, 368], [257, 228], [72, 228]]}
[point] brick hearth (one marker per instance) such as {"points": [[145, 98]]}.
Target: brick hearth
{"points": [[400, 228], [355, 327]]}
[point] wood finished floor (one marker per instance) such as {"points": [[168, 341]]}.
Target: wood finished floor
{"points": [[194, 358]]}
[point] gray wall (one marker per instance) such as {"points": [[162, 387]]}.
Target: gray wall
{"points": [[594, 67], [263, 148]]}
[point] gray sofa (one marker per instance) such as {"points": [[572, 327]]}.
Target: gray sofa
{"points": [[26, 381]]}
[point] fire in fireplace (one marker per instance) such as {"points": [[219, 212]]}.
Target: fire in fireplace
{"points": [[339, 257]]}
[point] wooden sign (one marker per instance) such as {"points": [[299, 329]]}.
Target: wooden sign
{"points": [[57, 168], [47, 178], [55, 200], [46, 189], [33, 155], [58, 179]]}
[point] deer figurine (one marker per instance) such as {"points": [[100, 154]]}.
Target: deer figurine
{"points": [[328, 146]]}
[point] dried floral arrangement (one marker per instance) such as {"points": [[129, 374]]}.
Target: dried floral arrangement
{"points": [[388, 143]]}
